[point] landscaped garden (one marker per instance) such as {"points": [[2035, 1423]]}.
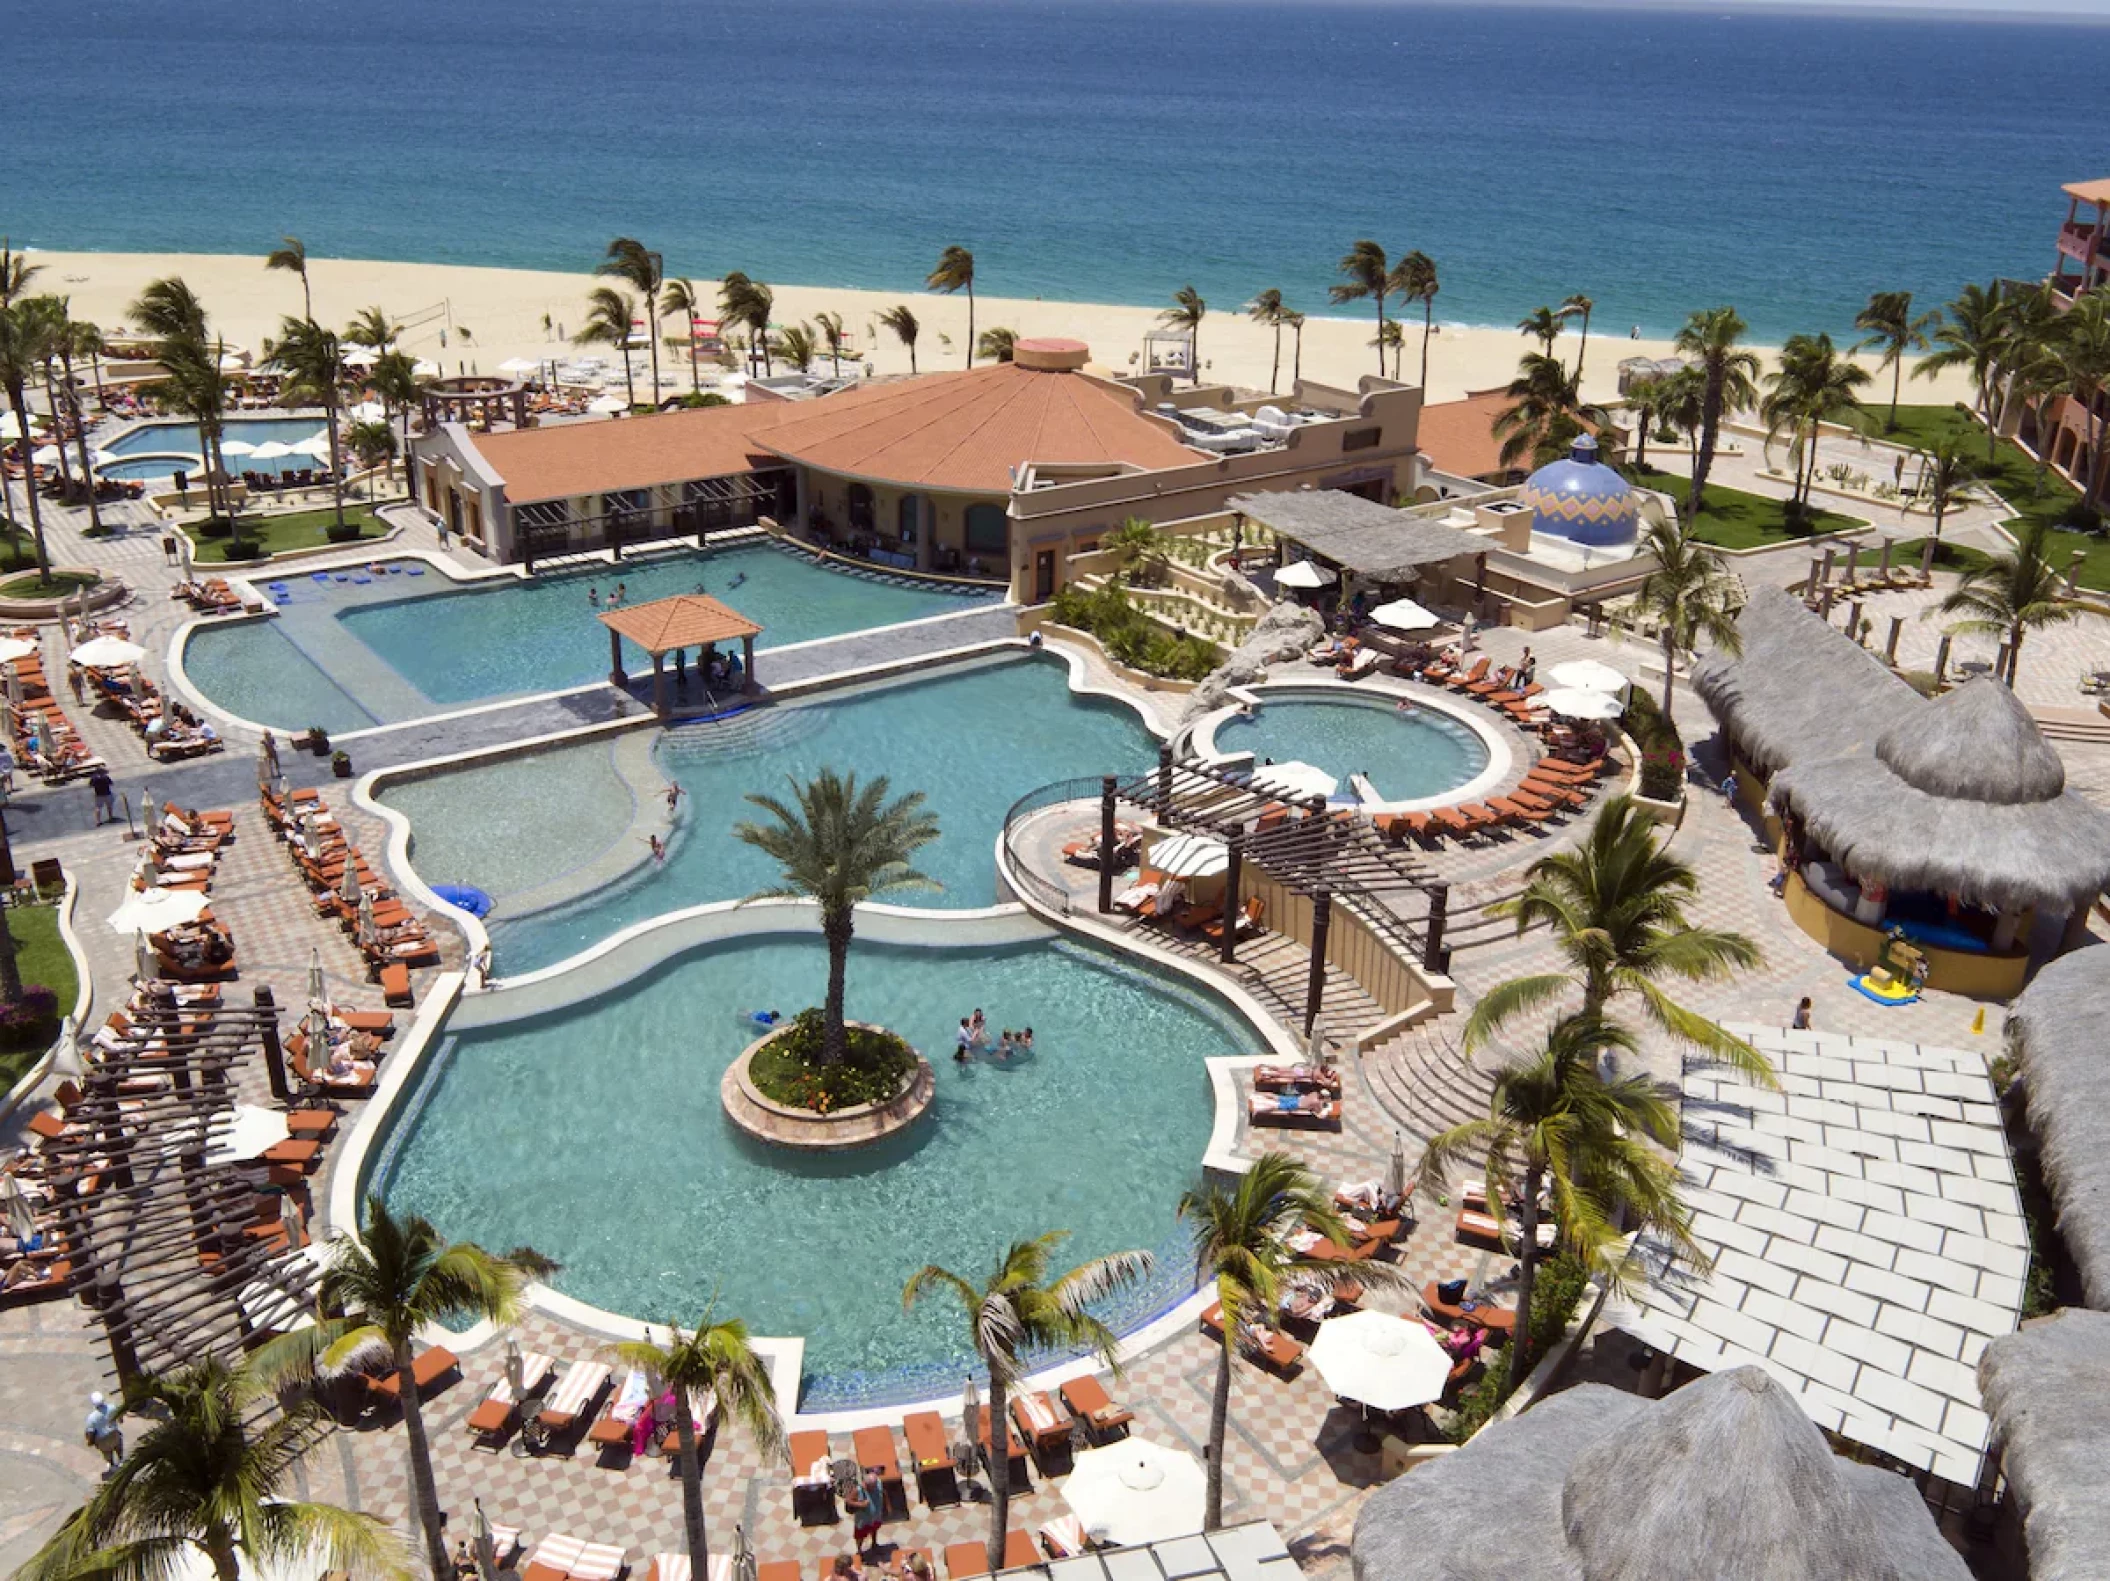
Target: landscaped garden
{"points": [[1733, 519], [268, 535]]}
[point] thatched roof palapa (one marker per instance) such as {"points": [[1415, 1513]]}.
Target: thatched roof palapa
{"points": [[2048, 1391], [1361, 535], [2056, 1030]]}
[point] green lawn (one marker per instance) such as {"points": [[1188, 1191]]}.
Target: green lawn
{"points": [[1951, 555], [63, 584], [1732, 519], [297, 530], [44, 960]]}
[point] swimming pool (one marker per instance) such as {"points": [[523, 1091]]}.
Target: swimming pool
{"points": [[973, 738], [1422, 752], [595, 1135], [396, 646], [165, 446]]}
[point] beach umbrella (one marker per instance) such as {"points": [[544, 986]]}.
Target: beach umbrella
{"points": [[1589, 676], [1305, 574], [21, 1214], [1137, 1491], [149, 869], [605, 405], [237, 447], [519, 365], [1572, 702], [272, 450], [1384, 1362], [183, 553], [107, 653], [1315, 1043], [45, 456], [1191, 856], [479, 1524], [743, 1556], [13, 648], [264, 767], [147, 817], [369, 412], [142, 958], [425, 368], [318, 992], [1295, 778], [1403, 614], [318, 1025], [155, 910], [970, 1411], [255, 1130], [11, 429], [348, 890], [316, 445], [1396, 1167], [516, 1368], [14, 689], [360, 356], [101, 458]]}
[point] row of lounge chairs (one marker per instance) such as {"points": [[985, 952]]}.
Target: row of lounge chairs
{"points": [[1148, 900], [45, 739], [1297, 1095], [1553, 788], [388, 934], [216, 596], [172, 733]]}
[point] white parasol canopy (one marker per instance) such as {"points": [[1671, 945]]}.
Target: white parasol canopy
{"points": [[1295, 778], [1572, 702], [254, 1130], [272, 450], [1589, 676], [107, 653], [237, 447], [1403, 614], [518, 365], [11, 429], [606, 405], [316, 445], [13, 648], [1305, 574], [142, 957], [1387, 1363], [425, 368], [1190, 856], [369, 412], [152, 910], [45, 456], [1137, 1491]]}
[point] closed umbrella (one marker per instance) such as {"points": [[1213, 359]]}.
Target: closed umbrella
{"points": [[317, 992], [1295, 779], [1403, 614], [1190, 856], [318, 1025], [1384, 1362], [1396, 1168], [970, 1417], [107, 653], [1137, 1491], [153, 911], [265, 765], [348, 891], [148, 816], [605, 405], [1572, 702], [1589, 676], [21, 1213], [1305, 574], [484, 1544], [366, 917], [183, 553], [142, 958], [743, 1556]]}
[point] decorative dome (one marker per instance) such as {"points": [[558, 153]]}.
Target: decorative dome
{"points": [[1583, 500]]}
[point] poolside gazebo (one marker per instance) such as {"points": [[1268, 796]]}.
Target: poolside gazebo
{"points": [[674, 625]]}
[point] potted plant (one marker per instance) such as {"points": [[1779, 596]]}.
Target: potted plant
{"points": [[341, 765], [317, 741]]}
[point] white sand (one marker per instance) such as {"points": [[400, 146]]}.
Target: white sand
{"points": [[504, 309]]}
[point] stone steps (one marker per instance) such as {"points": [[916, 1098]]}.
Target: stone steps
{"points": [[1424, 1083]]}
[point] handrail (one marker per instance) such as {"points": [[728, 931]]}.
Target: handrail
{"points": [[1045, 890]]}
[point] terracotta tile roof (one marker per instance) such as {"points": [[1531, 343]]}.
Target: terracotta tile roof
{"points": [[1459, 437], [966, 431], [562, 459], [687, 620]]}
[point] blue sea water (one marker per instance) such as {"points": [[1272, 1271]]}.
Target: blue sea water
{"points": [[1099, 149]]}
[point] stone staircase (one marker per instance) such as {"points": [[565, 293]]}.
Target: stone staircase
{"points": [[2073, 724], [1424, 1082]]}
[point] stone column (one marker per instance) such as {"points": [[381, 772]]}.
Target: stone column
{"points": [[1232, 874], [1890, 644], [747, 661], [1883, 570], [659, 684], [1107, 838], [616, 675], [1315, 985], [1853, 620]]}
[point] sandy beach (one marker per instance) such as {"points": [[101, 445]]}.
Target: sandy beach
{"points": [[488, 316]]}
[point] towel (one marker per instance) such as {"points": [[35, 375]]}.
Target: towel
{"points": [[1287, 1103], [1034, 1408], [635, 1396]]}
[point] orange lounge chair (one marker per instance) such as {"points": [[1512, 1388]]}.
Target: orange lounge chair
{"points": [[1398, 825], [778, 1570], [395, 983], [570, 1398], [812, 1489], [1459, 680], [1095, 1408], [1262, 1109], [1249, 917], [1482, 816], [1270, 1345], [874, 1449], [1014, 1452], [429, 1367], [1498, 1321], [495, 1413], [1516, 811], [559, 1557], [931, 1455], [962, 1559], [1043, 1426]]}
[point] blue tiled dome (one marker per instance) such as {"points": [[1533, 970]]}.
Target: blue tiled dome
{"points": [[1582, 500]]}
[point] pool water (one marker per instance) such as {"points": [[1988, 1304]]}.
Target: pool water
{"points": [[595, 1135], [972, 738], [1423, 752], [173, 445]]}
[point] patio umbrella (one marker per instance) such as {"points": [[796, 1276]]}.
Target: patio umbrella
{"points": [[13, 648], [318, 992], [107, 653], [318, 1026], [485, 1546], [518, 365], [516, 1369], [316, 445], [264, 766], [142, 957], [45, 456], [366, 917], [970, 1414], [361, 356], [1384, 1362], [605, 405], [369, 412], [237, 447], [272, 450], [153, 910], [1295, 779], [21, 1213], [1137, 1491], [1589, 676], [1572, 702], [743, 1556], [1396, 1168], [1315, 1043], [348, 891], [255, 1129], [147, 817], [424, 368], [11, 429], [1403, 614], [1304, 574], [1191, 856]]}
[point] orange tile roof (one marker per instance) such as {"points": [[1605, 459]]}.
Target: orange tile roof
{"points": [[966, 431], [558, 460], [2096, 192], [1459, 436], [687, 620]]}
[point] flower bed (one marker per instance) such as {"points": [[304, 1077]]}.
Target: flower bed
{"points": [[787, 1069]]}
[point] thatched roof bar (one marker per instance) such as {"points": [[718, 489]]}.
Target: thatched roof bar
{"points": [[2056, 1030], [2047, 1390]]}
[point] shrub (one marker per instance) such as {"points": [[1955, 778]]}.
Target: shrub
{"points": [[1131, 637], [2080, 516], [1554, 1295], [348, 533], [1662, 772], [215, 527], [789, 1070], [697, 398], [31, 1021]]}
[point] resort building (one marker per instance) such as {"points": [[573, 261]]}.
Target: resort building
{"points": [[2064, 430], [1460, 441]]}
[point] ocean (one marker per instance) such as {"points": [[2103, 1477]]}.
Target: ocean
{"points": [[1104, 150]]}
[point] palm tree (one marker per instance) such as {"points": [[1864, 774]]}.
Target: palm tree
{"points": [[637, 266], [1578, 303], [680, 297], [1543, 325], [1368, 275], [1690, 592], [2082, 347], [372, 441], [955, 272], [1021, 1309], [1713, 339], [1267, 309], [1681, 406], [24, 339], [1601, 1149], [395, 1278], [292, 254], [1242, 1244], [372, 328], [1418, 283], [312, 360], [169, 310], [395, 380], [842, 845], [1141, 548], [2012, 593], [1187, 311], [1889, 327], [1973, 334], [795, 345], [16, 271], [997, 344], [713, 1360], [1947, 473], [1616, 908], [902, 322], [79, 338], [1813, 386], [750, 303], [1391, 338], [218, 1471], [832, 335], [1295, 321], [1644, 398], [1545, 414], [608, 317]]}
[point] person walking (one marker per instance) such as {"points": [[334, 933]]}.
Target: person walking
{"points": [[105, 797], [870, 1515], [1803, 1013], [102, 1432]]}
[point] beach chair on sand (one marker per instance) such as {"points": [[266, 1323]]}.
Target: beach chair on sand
{"points": [[1097, 1410]]}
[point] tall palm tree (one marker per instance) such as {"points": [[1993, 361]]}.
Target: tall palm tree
{"points": [[1813, 386], [1713, 338], [395, 380], [1020, 1309], [1267, 309], [1973, 334], [1242, 1234], [1418, 283], [609, 313], [997, 344], [372, 328], [955, 272], [1546, 412], [749, 303], [1187, 311], [2011, 594], [373, 441], [1543, 325], [16, 272], [292, 255], [795, 345], [1392, 338], [637, 266], [1644, 398], [833, 337], [169, 310], [680, 298], [1947, 474], [901, 321], [24, 341], [1616, 907], [312, 360], [1578, 304], [1889, 326], [218, 1471], [1367, 275], [395, 1278], [714, 1360], [1681, 406], [1295, 323], [79, 338], [1690, 592], [1600, 1149], [841, 844]]}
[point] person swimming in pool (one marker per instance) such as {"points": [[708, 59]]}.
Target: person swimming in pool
{"points": [[738, 580], [659, 848], [762, 1018], [593, 596]]}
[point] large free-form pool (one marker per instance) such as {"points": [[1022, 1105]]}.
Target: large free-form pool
{"points": [[164, 447], [1408, 753]]}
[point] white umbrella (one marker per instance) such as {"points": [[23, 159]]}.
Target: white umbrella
{"points": [[272, 450], [11, 429], [479, 1524], [102, 458], [316, 445], [1572, 702], [1137, 1491], [1190, 856], [424, 368], [152, 910], [254, 1130], [142, 957], [45, 456], [360, 356], [1306, 574], [519, 365], [1387, 1363], [1403, 614], [606, 405], [107, 653], [349, 888], [237, 447], [1396, 1168], [1295, 779], [13, 648], [369, 412], [1589, 676], [21, 1213]]}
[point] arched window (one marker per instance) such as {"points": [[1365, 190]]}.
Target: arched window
{"points": [[860, 508], [988, 530]]}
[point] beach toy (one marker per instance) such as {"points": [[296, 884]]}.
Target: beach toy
{"points": [[472, 900]]}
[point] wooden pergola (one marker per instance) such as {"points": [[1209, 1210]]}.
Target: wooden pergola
{"points": [[674, 625]]}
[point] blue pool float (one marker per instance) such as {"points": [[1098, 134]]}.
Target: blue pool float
{"points": [[416, 570], [320, 576], [473, 901], [341, 577], [278, 587], [362, 580]]}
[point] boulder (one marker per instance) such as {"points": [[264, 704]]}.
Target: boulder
{"points": [[1287, 631]]}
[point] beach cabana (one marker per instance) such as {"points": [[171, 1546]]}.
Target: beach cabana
{"points": [[1726, 1477], [2048, 1392], [674, 625], [2056, 1032]]}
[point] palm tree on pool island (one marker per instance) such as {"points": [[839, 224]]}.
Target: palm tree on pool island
{"points": [[397, 1277], [292, 256], [2011, 594], [1714, 341], [901, 320], [955, 272], [1367, 275], [1267, 309], [840, 844], [1187, 311], [714, 1361], [1022, 1310]]}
